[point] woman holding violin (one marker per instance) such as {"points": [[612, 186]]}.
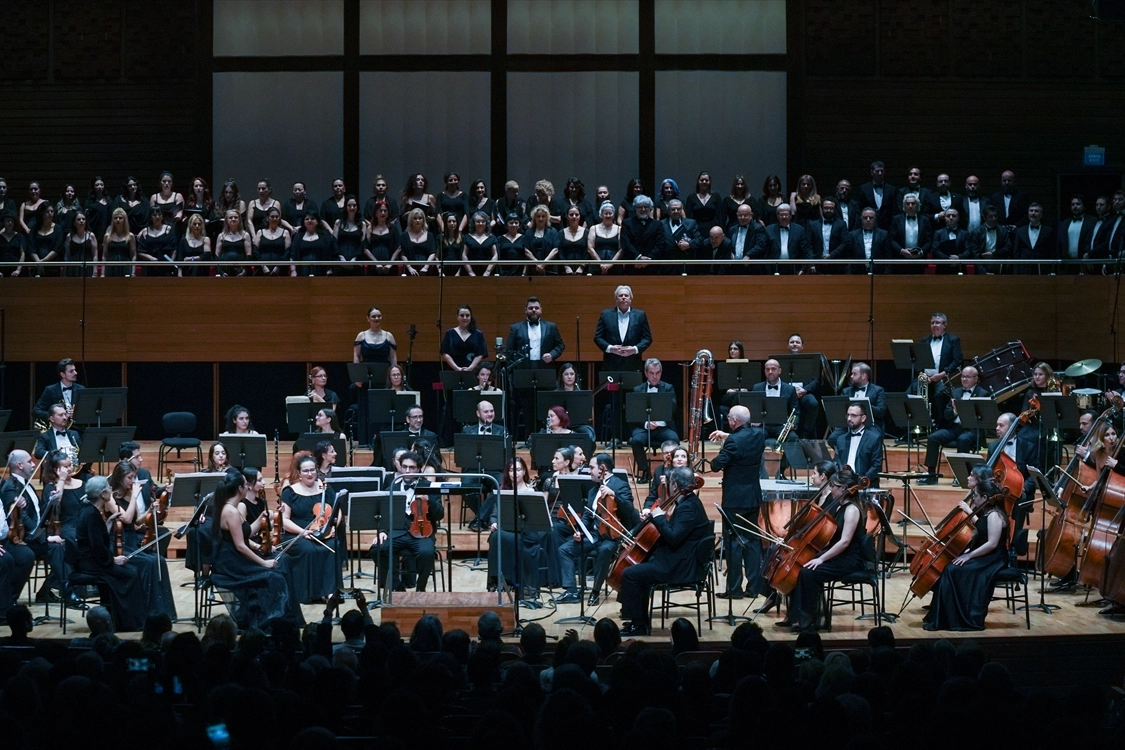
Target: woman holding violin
{"points": [[261, 585], [414, 545], [64, 493], [962, 593], [252, 505], [842, 555], [317, 549], [534, 546]]}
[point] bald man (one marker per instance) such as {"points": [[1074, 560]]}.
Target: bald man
{"points": [[17, 560], [740, 460]]}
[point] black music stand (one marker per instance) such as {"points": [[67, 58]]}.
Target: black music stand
{"points": [[380, 511], [649, 407], [540, 379], [245, 450], [309, 440], [1049, 496], [366, 472], [22, 440], [800, 368], [616, 382], [479, 454], [1056, 413], [544, 445], [524, 381], [456, 380], [5, 415], [519, 513], [885, 529], [765, 410], [194, 490], [578, 404], [465, 405], [730, 618], [385, 405], [961, 464], [911, 412], [371, 374], [353, 484], [300, 415], [836, 411], [735, 374], [97, 405], [978, 414], [573, 494], [101, 444], [912, 356], [390, 442], [816, 451]]}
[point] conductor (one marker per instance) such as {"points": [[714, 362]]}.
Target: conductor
{"points": [[740, 460]]}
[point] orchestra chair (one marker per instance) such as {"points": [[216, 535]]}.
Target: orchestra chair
{"points": [[849, 591], [177, 424], [700, 585], [81, 584], [443, 558], [211, 595], [1012, 580]]}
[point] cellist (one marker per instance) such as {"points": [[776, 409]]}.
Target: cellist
{"points": [[672, 556], [1023, 448], [843, 555]]}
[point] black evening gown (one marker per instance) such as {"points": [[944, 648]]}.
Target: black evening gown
{"points": [[153, 572], [314, 572], [262, 595], [121, 585], [349, 243], [479, 251], [810, 583], [158, 247], [963, 592], [509, 249], [118, 250], [383, 246], [538, 558], [70, 505]]}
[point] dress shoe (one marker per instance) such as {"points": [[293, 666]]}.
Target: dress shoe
{"points": [[634, 630], [1066, 582], [594, 601], [1112, 609], [475, 525], [931, 479], [47, 596], [771, 601], [736, 594], [568, 598], [783, 624], [74, 601]]}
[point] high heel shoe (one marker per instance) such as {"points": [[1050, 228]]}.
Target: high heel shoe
{"points": [[772, 601]]}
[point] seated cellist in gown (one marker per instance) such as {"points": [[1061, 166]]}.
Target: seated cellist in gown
{"points": [[672, 555]]}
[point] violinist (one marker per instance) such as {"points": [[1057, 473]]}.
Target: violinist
{"points": [[217, 458], [315, 568], [533, 546], [578, 463], [238, 421], [16, 559], [325, 455], [659, 485], [131, 452], [843, 555], [20, 499], [672, 557], [252, 505], [740, 460], [411, 545], [962, 593], [604, 526], [63, 492], [261, 586]]}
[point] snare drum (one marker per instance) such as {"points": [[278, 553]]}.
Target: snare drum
{"points": [[1005, 371], [1088, 398]]}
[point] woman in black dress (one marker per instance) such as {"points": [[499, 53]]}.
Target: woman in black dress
{"points": [[119, 244], [238, 421], [326, 455], [604, 240], [350, 231], [669, 191], [27, 220], [13, 247], [45, 243], [316, 569], [453, 200], [625, 209], [479, 201], [964, 590], [132, 200], [258, 209], [158, 242], [572, 243], [509, 246], [416, 196], [739, 194], [313, 242], [273, 245], [67, 205], [195, 247], [573, 196], [63, 493], [332, 209], [377, 346], [533, 546], [480, 247], [380, 195], [541, 241], [80, 245], [328, 423], [167, 201], [704, 206], [233, 244], [452, 245], [262, 587], [228, 200], [766, 210], [805, 201], [199, 202], [417, 248], [464, 347], [98, 207], [383, 239]]}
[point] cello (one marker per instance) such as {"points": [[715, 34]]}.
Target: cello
{"points": [[1105, 503], [952, 536], [1005, 471]]}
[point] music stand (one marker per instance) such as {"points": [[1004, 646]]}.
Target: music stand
{"points": [[1049, 496], [544, 445], [737, 373], [97, 405], [23, 440], [911, 412], [1057, 413], [816, 451], [5, 415], [572, 498], [465, 405], [368, 373], [799, 368], [390, 442], [385, 404], [649, 407], [245, 450], [379, 511], [978, 414], [765, 410], [300, 415], [912, 356], [456, 380], [100, 444], [342, 472], [617, 381], [836, 411], [353, 484], [519, 513], [192, 490], [961, 464], [540, 379], [578, 404]]}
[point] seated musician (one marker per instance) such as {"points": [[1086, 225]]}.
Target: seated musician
{"points": [[964, 590], [486, 424], [416, 553], [736, 353], [16, 562], [1023, 448], [57, 437], [673, 556], [651, 434], [19, 501], [806, 394], [130, 503], [843, 555], [238, 422], [774, 387], [951, 432], [862, 387], [660, 475], [1098, 452], [533, 547], [860, 448], [604, 528], [316, 566]]}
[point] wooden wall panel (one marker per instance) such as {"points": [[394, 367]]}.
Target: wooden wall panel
{"points": [[308, 320]]}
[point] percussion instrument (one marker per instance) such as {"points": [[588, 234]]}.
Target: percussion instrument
{"points": [[1005, 371]]}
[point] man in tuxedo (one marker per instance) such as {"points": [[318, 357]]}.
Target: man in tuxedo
{"points": [[485, 425], [949, 242], [990, 239], [911, 234], [860, 447], [787, 241], [740, 460], [604, 547], [1023, 448], [57, 436], [1110, 240], [652, 433], [973, 204], [539, 340], [913, 187], [747, 239], [868, 243], [1103, 218], [948, 358], [1075, 235], [61, 392], [879, 195], [847, 208], [641, 233], [414, 429], [417, 553], [679, 237], [941, 200], [862, 387], [1033, 241], [951, 432], [17, 491], [806, 394], [718, 247], [1011, 204], [827, 233], [622, 333], [774, 387], [16, 562]]}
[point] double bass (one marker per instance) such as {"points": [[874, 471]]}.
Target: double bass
{"points": [[1106, 505]]}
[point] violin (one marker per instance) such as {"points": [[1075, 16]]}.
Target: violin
{"points": [[265, 547], [117, 537], [322, 513], [662, 488], [17, 529], [420, 526], [154, 516]]}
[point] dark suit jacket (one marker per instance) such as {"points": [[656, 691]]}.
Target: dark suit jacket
{"points": [[754, 246], [53, 394], [867, 200], [638, 335], [932, 207], [852, 248], [836, 237], [1017, 208], [48, 442], [13, 488], [1027, 450], [923, 198], [673, 558], [788, 393], [473, 428], [977, 241], [898, 234], [639, 238], [982, 204], [878, 398], [869, 456], [1101, 245], [799, 248], [740, 460], [669, 247], [1085, 237], [662, 387], [626, 510], [853, 213], [550, 340], [951, 355], [942, 246], [950, 416], [1045, 248]]}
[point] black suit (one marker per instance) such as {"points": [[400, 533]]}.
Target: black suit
{"points": [[882, 214], [35, 544], [640, 237], [1102, 247], [753, 244], [550, 342], [1043, 249], [604, 548], [641, 438], [967, 204], [836, 235], [484, 511], [942, 246], [798, 246], [52, 394], [951, 355], [878, 398], [924, 198], [853, 248], [951, 432], [48, 442], [740, 460], [977, 242], [419, 551], [868, 457], [788, 395], [1085, 239], [638, 334], [688, 231], [932, 208], [899, 243], [1016, 213], [852, 220]]}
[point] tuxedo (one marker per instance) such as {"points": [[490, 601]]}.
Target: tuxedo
{"points": [[836, 235], [1044, 249], [687, 230], [868, 456], [942, 246], [48, 442], [724, 251], [550, 340], [1027, 454], [495, 429], [788, 395], [924, 199], [853, 248], [967, 203], [603, 548], [898, 237], [798, 246], [641, 438], [1085, 237], [878, 398], [951, 431], [753, 244], [53, 394], [882, 214], [1102, 247], [740, 460], [951, 356], [640, 237], [977, 241], [638, 334], [853, 212], [14, 488], [932, 207], [1016, 213]]}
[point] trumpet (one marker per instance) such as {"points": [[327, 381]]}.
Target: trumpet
{"points": [[790, 423]]}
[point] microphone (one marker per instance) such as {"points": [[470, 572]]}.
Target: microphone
{"points": [[412, 332], [500, 354]]}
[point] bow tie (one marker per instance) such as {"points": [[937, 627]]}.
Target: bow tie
{"points": [[1011, 442], [773, 387], [60, 434], [937, 338], [533, 323], [68, 388], [675, 225], [486, 429], [856, 434]]}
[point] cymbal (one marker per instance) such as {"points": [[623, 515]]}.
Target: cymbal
{"points": [[1082, 367]]}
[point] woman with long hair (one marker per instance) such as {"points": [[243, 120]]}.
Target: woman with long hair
{"points": [[238, 421], [195, 248], [273, 245], [522, 575], [384, 239], [350, 231], [119, 244], [316, 570], [464, 347]]}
